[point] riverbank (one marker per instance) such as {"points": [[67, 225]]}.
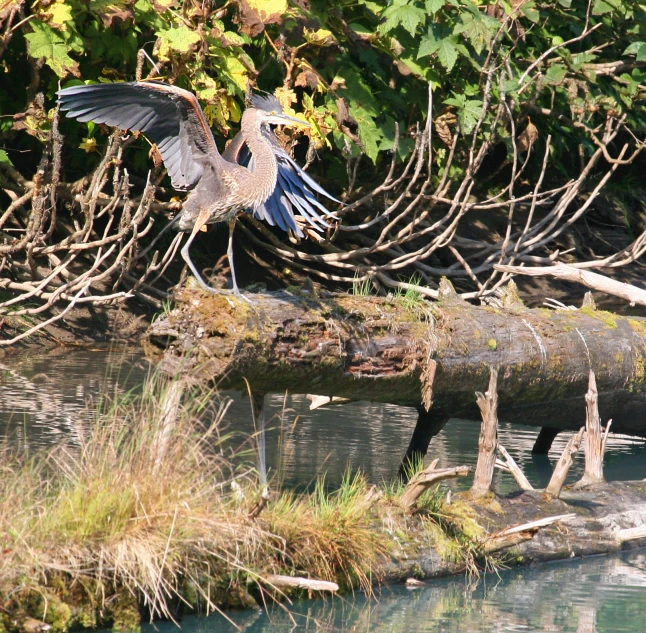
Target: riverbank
{"points": [[147, 516]]}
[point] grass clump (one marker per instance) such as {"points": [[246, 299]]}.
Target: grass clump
{"points": [[147, 517]]}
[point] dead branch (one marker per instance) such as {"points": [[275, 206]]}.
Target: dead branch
{"points": [[488, 405], [422, 481], [563, 465], [514, 469], [631, 293]]}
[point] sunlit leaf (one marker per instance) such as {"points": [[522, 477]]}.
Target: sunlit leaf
{"points": [[176, 40], [4, 158], [320, 37], [406, 15], [638, 49], [49, 44]]}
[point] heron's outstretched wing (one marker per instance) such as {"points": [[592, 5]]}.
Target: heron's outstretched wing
{"points": [[169, 116], [294, 189]]}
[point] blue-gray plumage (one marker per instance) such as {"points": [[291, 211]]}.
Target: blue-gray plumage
{"points": [[254, 174]]}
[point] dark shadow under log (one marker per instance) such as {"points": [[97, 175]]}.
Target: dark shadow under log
{"points": [[379, 349], [428, 425], [545, 440]]}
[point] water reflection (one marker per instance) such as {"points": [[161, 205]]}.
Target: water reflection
{"points": [[373, 437], [44, 398], [47, 397], [598, 595]]}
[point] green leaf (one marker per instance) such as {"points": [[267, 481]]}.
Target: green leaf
{"points": [[369, 133], [4, 158], [469, 111], [409, 17], [638, 49], [478, 32], [49, 44], [433, 6], [600, 7], [556, 74], [447, 54], [530, 11], [428, 45]]}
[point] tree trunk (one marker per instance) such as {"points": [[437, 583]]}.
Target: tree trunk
{"points": [[380, 349]]}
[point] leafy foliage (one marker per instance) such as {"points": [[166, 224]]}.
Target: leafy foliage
{"points": [[375, 55], [357, 70]]}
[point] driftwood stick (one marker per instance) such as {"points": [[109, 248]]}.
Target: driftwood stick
{"points": [[488, 405], [539, 523], [593, 437], [585, 277], [605, 438], [295, 582], [630, 534], [427, 478], [519, 533], [497, 543], [514, 469], [316, 402], [563, 465]]}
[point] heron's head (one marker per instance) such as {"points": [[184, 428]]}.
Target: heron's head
{"points": [[270, 112]]}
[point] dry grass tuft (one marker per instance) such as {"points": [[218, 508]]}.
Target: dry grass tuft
{"points": [[144, 513]]}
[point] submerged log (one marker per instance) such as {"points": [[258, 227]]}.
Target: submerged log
{"points": [[387, 350]]}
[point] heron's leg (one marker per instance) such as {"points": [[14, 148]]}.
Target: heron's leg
{"points": [[232, 226], [200, 221]]}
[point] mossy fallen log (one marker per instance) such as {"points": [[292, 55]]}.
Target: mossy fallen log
{"points": [[413, 353]]}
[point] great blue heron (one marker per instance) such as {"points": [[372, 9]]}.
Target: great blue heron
{"points": [[254, 173]]}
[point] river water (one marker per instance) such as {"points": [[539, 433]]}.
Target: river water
{"points": [[45, 398]]}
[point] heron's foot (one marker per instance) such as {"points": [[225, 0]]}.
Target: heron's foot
{"points": [[225, 292]]}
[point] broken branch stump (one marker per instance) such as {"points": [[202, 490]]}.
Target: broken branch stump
{"points": [[514, 469], [563, 465], [488, 405], [421, 482], [594, 437]]}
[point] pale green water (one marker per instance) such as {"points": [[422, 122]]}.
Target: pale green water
{"points": [[596, 595], [600, 595]]}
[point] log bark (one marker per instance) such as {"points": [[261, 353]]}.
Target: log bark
{"points": [[378, 349]]}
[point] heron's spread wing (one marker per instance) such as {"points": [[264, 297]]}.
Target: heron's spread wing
{"points": [[169, 116], [294, 189]]}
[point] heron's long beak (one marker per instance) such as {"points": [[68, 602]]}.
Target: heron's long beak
{"points": [[284, 119]]}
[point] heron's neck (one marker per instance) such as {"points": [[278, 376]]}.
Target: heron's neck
{"points": [[265, 171]]}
